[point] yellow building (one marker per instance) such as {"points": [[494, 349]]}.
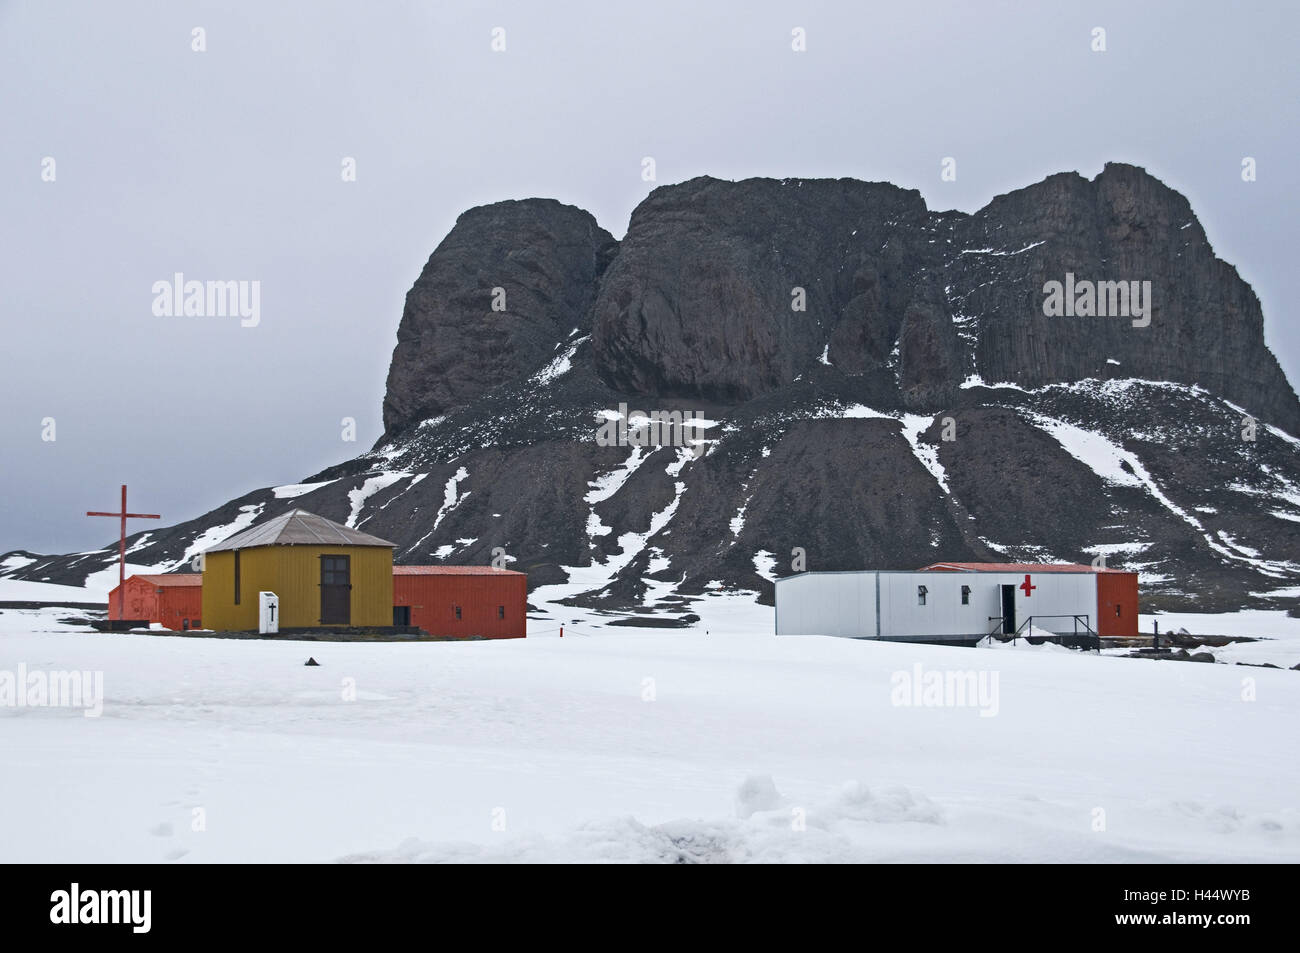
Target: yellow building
{"points": [[324, 573]]}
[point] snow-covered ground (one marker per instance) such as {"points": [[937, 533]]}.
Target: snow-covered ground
{"points": [[1277, 633], [619, 744], [19, 590], [1246, 623]]}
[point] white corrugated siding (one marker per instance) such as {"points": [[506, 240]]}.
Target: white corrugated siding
{"points": [[827, 603], [844, 603]]}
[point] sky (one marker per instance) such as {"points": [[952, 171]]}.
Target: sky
{"points": [[226, 163]]}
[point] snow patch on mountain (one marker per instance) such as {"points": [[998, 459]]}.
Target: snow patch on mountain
{"points": [[292, 490], [450, 500], [357, 497], [559, 366], [927, 454], [248, 515], [1120, 467]]}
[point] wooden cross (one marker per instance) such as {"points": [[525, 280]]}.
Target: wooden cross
{"points": [[121, 549]]}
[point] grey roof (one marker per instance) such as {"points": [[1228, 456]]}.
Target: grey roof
{"points": [[299, 528]]}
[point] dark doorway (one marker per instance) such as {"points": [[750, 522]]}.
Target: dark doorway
{"points": [[401, 615], [335, 590], [1008, 609]]}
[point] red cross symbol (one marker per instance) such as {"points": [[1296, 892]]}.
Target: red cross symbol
{"points": [[1027, 586]]}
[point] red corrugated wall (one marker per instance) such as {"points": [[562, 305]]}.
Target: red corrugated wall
{"points": [[167, 605], [1117, 603], [433, 600], [178, 603], [141, 601]]}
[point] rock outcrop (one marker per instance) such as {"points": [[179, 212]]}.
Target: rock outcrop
{"points": [[705, 301], [459, 336], [1125, 225]]}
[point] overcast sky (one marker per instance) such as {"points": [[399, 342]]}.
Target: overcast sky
{"points": [[225, 164]]}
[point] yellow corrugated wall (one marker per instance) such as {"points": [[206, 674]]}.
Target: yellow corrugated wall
{"points": [[293, 574]]}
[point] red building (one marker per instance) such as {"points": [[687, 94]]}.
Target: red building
{"points": [[461, 600], [174, 600]]}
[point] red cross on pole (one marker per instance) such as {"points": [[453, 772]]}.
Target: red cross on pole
{"points": [[1027, 586], [121, 548]]}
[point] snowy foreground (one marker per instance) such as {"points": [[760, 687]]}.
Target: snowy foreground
{"points": [[617, 744]]}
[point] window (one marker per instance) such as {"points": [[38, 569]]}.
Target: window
{"points": [[335, 571], [236, 577], [458, 613], [501, 612], [920, 595], [965, 595], [1117, 611]]}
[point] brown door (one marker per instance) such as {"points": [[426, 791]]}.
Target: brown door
{"points": [[335, 590]]}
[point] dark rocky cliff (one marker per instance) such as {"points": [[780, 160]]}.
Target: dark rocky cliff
{"points": [[451, 345], [698, 302], [1206, 328]]}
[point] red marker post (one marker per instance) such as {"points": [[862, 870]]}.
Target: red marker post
{"points": [[121, 547]]}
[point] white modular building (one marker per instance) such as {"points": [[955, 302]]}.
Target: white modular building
{"points": [[959, 602]]}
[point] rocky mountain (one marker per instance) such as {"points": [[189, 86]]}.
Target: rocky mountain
{"points": [[880, 386]]}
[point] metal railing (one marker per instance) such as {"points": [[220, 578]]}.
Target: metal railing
{"points": [[1087, 639], [1083, 636]]}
